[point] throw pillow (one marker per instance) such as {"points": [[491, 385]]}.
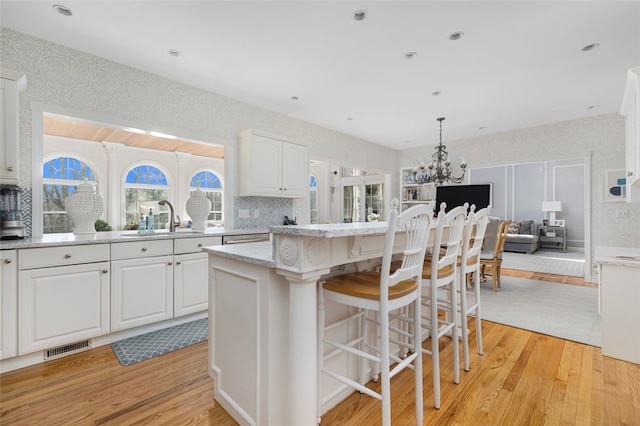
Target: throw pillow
{"points": [[525, 227], [514, 228]]}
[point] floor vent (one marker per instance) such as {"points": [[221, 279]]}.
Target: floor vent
{"points": [[66, 350]]}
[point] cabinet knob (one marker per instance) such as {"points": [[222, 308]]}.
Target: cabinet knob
{"points": [[104, 271], [170, 263], [7, 261], [178, 263], [200, 245], [144, 249], [629, 173], [285, 189], [10, 168], [67, 256]]}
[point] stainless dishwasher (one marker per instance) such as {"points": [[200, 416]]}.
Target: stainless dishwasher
{"points": [[244, 238]]}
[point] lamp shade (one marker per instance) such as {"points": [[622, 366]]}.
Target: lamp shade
{"points": [[551, 206]]}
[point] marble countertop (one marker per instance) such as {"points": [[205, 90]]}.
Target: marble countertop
{"points": [[332, 230], [262, 253], [257, 253], [52, 240], [620, 256]]}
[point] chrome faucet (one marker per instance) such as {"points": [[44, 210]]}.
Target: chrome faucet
{"points": [[172, 222]]}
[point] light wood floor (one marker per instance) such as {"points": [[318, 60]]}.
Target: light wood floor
{"points": [[523, 378]]}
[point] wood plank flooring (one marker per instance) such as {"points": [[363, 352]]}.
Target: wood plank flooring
{"points": [[522, 378]]}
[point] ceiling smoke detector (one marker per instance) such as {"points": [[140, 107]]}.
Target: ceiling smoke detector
{"points": [[62, 10], [173, 52], [359, 15], [410, 55], [456, 36], [589, 47]]}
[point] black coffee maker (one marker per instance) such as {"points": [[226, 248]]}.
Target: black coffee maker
{"points": [[11, 224]]}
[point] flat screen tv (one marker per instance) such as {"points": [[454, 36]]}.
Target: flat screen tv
{"points": [[457, 195]]}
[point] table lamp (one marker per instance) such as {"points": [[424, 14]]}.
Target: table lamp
{"points": [[552, 207]]}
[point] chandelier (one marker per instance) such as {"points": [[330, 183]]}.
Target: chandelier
{"points": [[439, 171]]}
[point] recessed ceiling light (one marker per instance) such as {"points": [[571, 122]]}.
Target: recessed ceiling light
{"points": [[593, 106], [436, 93], [350, 118], [590, 47], [482, 127], [62, 10], [173, 52], [456, 36], [294, 98], [359, 15], [410, 55]]}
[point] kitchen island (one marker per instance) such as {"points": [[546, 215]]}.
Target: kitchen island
{"points": [[263, 325]]}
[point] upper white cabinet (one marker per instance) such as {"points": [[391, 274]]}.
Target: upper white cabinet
{"points": [[270, 166], [8, 303], [11, 83], [630, 109]]}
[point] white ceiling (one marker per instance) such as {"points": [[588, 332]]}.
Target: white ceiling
{"points": [[519, 63]]}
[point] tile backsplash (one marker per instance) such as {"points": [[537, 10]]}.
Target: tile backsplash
{"points": [[25, 206], [271, 211]]}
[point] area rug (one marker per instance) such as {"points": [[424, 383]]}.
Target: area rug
{"points": [[551, 262], [561, 310], [139, 348]]}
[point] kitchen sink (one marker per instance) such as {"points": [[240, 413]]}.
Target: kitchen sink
{"points": [[134, 234]]}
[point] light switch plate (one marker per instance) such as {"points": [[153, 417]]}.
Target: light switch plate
{"points": [[243, 214]]}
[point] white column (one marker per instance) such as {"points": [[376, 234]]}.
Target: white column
{"points": [[114, 186], [302, 346]]}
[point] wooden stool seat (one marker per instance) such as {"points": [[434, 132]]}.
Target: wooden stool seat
{"points": [[366, 285]]}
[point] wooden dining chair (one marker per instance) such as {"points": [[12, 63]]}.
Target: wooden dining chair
{"points": [[492, 257]]}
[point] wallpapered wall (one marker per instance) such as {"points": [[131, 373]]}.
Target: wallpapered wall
{"points": [[102, 90], [601, 137], [110, 92]]}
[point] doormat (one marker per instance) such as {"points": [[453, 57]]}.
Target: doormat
{"points": [[139, 348]]}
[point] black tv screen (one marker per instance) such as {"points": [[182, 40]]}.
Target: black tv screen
{"points": [[457, 195]]}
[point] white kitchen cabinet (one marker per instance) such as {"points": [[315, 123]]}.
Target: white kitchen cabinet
{"points": [[11, 84], [190, 275], [270, 166], [62, 304], [8, 303], [141, 283], [620, 314], [631, 110]]}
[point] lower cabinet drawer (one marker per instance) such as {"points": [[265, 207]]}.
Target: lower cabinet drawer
{"points": [[194, 245], [144, 248], [60, 256]]}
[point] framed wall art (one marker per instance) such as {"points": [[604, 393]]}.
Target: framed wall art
{"points": [[615, 185]]}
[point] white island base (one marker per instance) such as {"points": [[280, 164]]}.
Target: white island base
{"points": [[263, 316]]}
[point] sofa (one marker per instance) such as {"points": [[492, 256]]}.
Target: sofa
{"points": [[522, 236]]}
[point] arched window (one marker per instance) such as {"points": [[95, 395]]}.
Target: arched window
{"points": [[210, 184], [144, 186], [60, 177], [313, 199]]}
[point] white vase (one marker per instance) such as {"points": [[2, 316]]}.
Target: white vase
{"points": [[198, 209], [84, 207]]}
